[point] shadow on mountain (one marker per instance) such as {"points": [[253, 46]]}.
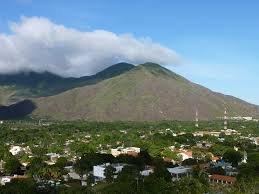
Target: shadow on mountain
{"points": [[18, 110]]}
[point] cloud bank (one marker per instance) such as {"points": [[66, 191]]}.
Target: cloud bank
{"points": [[37, 44]]}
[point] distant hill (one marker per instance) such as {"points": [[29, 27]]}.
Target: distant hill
{"points": [[147, 92], [17, 111], [23, 85]]}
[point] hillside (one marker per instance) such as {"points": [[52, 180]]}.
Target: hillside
{"points": [[23, 85], [146, 92], [17, 111]]}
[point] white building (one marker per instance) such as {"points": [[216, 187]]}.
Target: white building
{"points": [[179, 172], [98, 171], [5, 180], [15, 150], [129, 151], [53, 157], [184, 155], [147, 171]]}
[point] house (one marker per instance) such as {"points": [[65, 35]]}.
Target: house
{"points": [[2, 163], [98, 171], [184, 154], [215, 178], [202, 133], [8, 179], [255, 140], [5, 180], [223, 164], [229, 169], [15, 150], [179, 172], [133, 151], [53, 157], [147, 171], [203, 145], [215, 159]]}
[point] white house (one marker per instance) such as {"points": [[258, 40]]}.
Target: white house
{"points": [[98, 171], [184, 154], [179, 172], [53, 157], [129, 151], [147, 171], [5, 180], [15, 150]]}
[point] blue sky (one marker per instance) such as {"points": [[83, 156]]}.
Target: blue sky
{"points": [[218, 41]]}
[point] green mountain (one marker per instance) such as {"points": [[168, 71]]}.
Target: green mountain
{"points": [[146, 92], [19, 86]]}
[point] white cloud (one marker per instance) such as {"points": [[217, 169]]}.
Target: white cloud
{"points": [[38, 44]]}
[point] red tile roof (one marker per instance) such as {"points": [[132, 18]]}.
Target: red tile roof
{"points": [[223, 178]]}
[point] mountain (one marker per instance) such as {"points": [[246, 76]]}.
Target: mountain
{"points": [[17, 111], [147, 92], [15, 87]]}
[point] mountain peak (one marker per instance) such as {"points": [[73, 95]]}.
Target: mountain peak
{"points": [[115, 70], [159, 70]]}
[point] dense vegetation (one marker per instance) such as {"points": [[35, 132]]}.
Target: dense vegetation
{"points": [[87, 139]]}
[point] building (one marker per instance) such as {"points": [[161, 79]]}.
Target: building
{"points": [[223, 164], [215, 159], [5, 180], [179, 172], [98, 171], [203, 145], [215, 178], [184, 154], [133, 151], [15, 150], [202, 133], [147, 171], [255, 140], [52, 157]]}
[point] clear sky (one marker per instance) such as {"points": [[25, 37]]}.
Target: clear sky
{"points": [[218, 41]]}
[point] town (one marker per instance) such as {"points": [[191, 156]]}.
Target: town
{"points": [[129, 157]]}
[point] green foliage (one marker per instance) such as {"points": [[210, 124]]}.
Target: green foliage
{"points": [[233, 157], [189, 186], [109, 173], [217, 170], [17, 186], [12, 166], [61, 162]]}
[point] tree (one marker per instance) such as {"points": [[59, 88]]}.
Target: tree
{"points": [[109, 173], [189, 186], [233, 157], [61, 162], [128, 174], [35, 165], [12, 166], [189, 162], [90, 180], [217, 170], [82, 166], [161, 171], [50, 173], [21, 186]]}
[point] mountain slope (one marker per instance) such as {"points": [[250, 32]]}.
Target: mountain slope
{"points": [[17, 111], [31, 84], [146, 92]]}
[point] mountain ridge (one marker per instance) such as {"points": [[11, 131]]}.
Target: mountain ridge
{"points": [[147, 92], [31, 84]]}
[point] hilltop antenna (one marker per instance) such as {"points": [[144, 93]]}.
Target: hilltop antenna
{"points": [[197, 118], [225, 119]]}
